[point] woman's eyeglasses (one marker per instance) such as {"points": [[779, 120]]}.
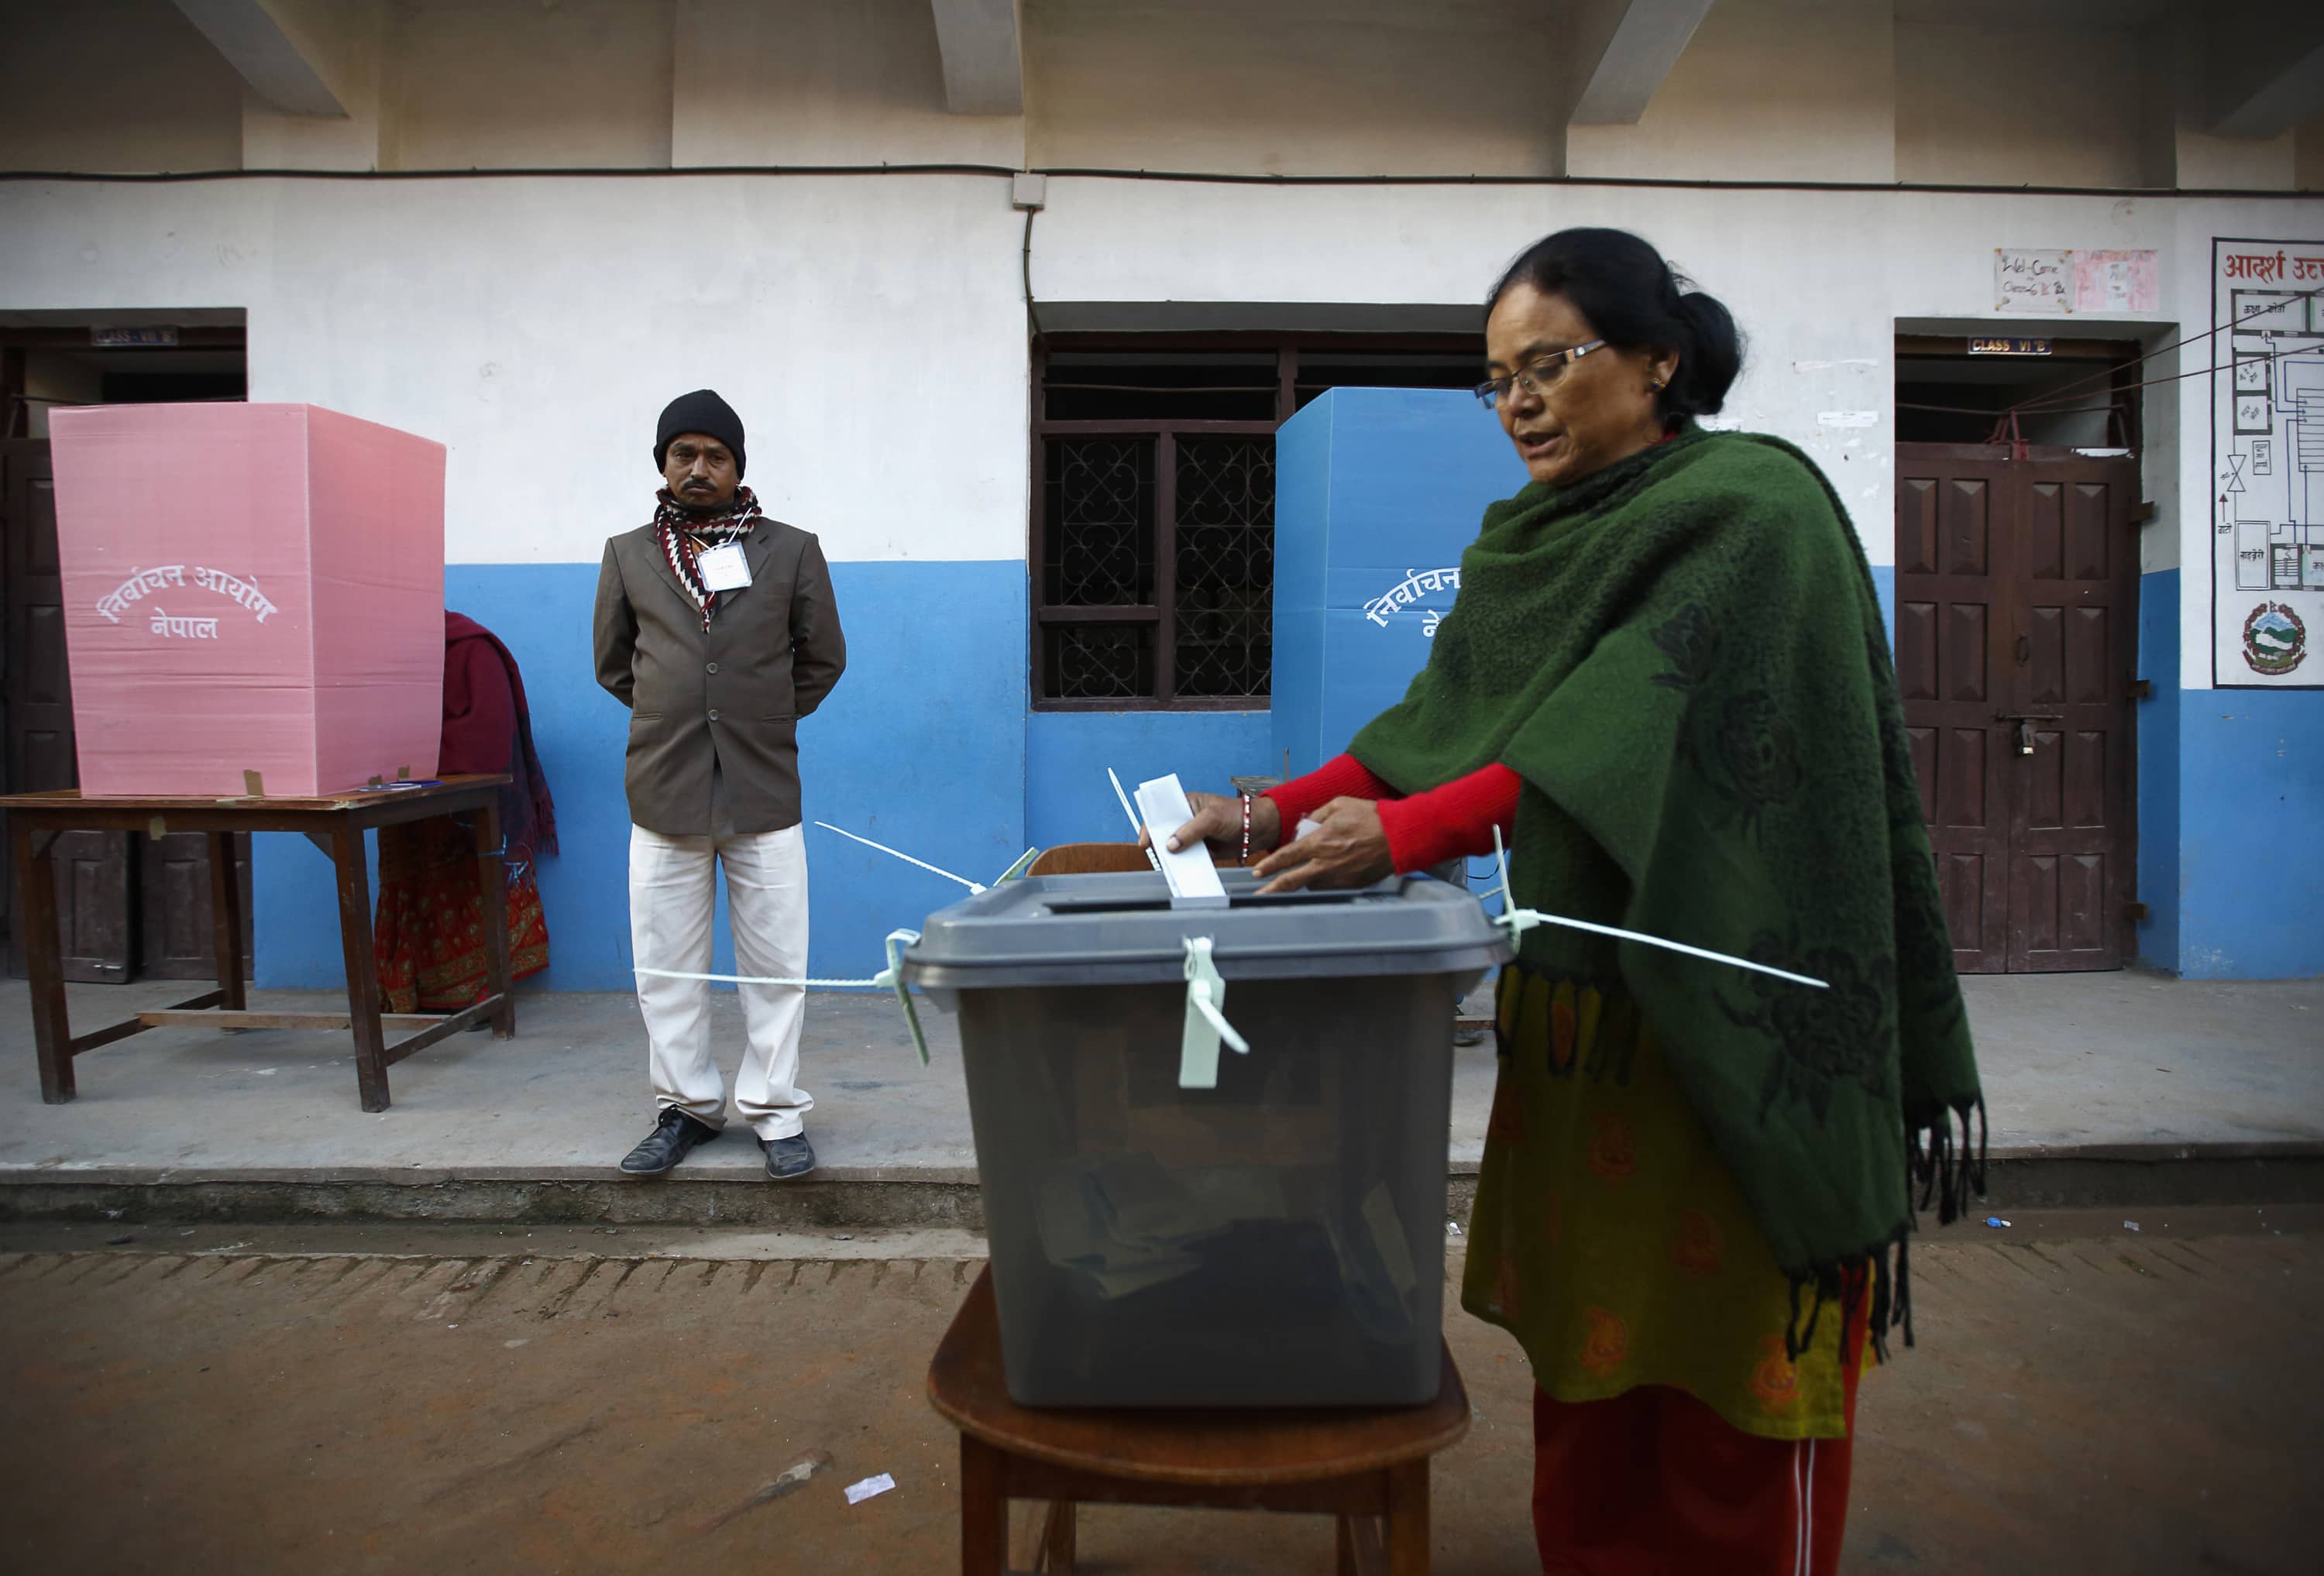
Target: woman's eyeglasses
{"points": [[1535, 375]]}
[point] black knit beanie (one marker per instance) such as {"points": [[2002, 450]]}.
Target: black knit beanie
{"points": [[700, 411]]}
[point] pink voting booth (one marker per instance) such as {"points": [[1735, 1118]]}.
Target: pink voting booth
{"points": [[249, 589]]}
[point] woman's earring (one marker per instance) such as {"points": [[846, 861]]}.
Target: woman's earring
{"points": [[1654, 386]]}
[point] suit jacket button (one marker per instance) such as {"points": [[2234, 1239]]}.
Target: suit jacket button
{"points": [[713, 714], [712, 668]]}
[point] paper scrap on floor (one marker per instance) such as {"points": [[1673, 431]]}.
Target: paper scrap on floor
{"points": [[857, 1493]]}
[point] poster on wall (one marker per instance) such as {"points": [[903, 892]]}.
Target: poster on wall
{"points": [[2267, 452]]}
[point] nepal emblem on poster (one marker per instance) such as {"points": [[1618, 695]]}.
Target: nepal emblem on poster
{"points": [[2274, 639]]}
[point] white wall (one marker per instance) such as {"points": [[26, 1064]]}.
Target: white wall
{"points": [[346, 42], [1767, 91], [581, 84], [822, 82], [113, 85], [1296, 87], [870, 329], [1986, 102]]}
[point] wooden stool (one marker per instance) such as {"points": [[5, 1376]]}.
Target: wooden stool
{"points": [[1368, 1468]]}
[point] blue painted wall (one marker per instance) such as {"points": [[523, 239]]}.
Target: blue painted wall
{"points": [[922, 746], [2251, 867], [1369, 484], [2230, 787], [2158, 745], [1067, 798]]}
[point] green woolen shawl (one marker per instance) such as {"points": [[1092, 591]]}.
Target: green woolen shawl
{"points": [[1683, 657]]}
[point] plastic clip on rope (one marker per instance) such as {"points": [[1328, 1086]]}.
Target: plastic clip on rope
{"points": [[1206, 1023], [1520, 920]]}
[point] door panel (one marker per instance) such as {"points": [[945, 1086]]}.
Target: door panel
{"points": [[2016, 597], [2071, 835], [1946, 660], [174, 901], [93, 868], [1964, 510]]}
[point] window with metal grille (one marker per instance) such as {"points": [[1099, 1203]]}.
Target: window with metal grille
{"points": [[1153, 544]]}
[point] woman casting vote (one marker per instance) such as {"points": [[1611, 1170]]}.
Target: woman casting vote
{"points": [[1667, 682]]}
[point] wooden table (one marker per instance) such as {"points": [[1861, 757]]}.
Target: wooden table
{"points": [[335, 825], [1369, 1468]]}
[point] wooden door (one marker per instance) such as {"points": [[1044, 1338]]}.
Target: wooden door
{"points": [[93, 868], [173, 906], [2073, 866], [2016, 608]]}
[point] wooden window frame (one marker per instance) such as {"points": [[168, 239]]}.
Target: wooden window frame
{"points": [[1161, 614]]}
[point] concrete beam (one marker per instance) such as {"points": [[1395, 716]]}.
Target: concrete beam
{"points": [[983, 45], [254, 44], [2267, 81], [1624, 50]]}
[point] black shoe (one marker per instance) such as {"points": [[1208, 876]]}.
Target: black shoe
{"points": [[789, 1158], [671, 1141]]}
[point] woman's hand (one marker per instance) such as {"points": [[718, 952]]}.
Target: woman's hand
{"points": [[1347, 849], [1218, 821]]}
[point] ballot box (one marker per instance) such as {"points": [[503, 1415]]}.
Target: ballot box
{"points": [[254, 597], [1275, 1240], [1376, 493]]}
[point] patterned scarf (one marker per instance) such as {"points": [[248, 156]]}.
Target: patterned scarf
{"points": [[675, 527]]}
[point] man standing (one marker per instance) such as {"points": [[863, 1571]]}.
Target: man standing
{"points": [[715, 626]]}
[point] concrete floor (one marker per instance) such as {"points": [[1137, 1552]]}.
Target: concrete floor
{"points": [[2071, 1062], [2082, 1399]]}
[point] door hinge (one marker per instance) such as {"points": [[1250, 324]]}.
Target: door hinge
{"points": [[2135, 911], [2144, 514], [2142, 689]]}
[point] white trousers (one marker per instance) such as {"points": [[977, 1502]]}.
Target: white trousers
{"points": [[673, 888]]}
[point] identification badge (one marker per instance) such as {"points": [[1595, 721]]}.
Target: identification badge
{"points": [[723, 568]]}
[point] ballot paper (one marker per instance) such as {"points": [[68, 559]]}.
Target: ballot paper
{"points": [[1128, 1223], [1194, 878]]}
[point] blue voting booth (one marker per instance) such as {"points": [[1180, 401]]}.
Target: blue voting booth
{"points": [[1377, 491]]}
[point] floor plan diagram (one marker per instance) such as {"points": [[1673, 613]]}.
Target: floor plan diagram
{"points": [[2268, 447]]}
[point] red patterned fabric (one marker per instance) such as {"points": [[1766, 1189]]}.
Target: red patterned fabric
{"points": [[1654, 1481], [427, 941], [428, 937]]}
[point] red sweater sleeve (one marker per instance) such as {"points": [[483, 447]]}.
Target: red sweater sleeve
{"points": [[1342, 777], [1451, 821]]}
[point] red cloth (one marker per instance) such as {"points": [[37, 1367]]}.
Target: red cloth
{"points": [[479, 705], [1654, 1481], [488, 728], [1424, 830]]}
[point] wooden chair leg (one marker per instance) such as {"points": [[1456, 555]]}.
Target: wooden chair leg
{"points": [[363, 967], [1363, 1552], [1057, 1550], [36, 915], [1407, 1519], [1043, 1542], [983, 1510]]}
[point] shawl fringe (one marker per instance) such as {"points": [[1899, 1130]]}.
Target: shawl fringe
{"points": [[1939, 1168]]}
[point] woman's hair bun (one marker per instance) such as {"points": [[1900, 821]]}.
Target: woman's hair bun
{"points": [[1635, 300]]}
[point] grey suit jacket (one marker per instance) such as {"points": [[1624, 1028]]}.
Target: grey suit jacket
{"points": [[732, 697]]}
